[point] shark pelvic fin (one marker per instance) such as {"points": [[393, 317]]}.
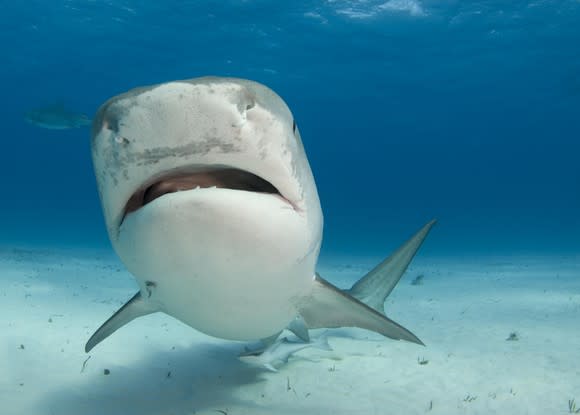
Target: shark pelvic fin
{"points": [[374, 288], [299, 328], [268, 341], [328, 306], [135, 307]]}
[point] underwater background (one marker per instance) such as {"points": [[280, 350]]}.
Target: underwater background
{"points": [[464, 111]]}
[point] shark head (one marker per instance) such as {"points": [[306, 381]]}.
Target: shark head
{"points": [[210, 202]]}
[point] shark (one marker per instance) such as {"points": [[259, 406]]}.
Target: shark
{"points": [[210, 202], [56, 117]]}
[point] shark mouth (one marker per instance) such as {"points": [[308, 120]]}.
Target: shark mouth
{"points": [[223, 178]]}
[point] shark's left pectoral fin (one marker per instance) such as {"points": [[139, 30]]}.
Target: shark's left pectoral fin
{"points": [[328, 306], [135, 307]]}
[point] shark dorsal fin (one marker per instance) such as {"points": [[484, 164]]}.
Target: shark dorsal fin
{"points": [[374, 288], [56, 106]]}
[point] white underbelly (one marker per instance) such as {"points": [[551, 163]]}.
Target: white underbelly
{"points": [[230, 264]]}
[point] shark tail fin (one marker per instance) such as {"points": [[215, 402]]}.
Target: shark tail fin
{"points": [[328, 306], [135, 307], [322, 343], [374, 288]]}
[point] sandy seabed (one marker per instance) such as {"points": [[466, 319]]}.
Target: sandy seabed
{"points": [[464, 309]]}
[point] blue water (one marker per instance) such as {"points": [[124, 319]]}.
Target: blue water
{"points": [[466, 111]]}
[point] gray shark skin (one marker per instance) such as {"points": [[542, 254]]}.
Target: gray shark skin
{"points": [[210, 203], [56, 117]]}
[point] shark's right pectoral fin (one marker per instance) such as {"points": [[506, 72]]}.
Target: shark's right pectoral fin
{"points": [[135, 307], [328, 306]]}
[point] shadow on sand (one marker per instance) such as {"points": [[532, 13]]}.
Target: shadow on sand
{"points": [[199, 379]]}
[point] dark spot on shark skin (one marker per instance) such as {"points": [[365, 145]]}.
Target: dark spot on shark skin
{"points": [[113, 177], [118, 160], [150, 285]]}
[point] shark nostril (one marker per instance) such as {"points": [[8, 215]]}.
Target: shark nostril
{"points": [[246, 100]]}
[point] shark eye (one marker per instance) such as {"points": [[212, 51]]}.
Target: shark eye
{"points": [[294, 127]]}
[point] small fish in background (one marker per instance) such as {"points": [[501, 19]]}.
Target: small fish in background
{"points": [[56, 117], [278, 353]]}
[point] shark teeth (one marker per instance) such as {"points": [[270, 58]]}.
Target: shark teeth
{"points": [[201, 187], [195, 179]]}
